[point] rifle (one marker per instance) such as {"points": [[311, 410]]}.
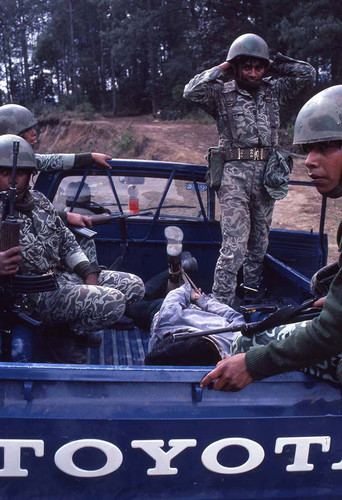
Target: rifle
{"points": [[103, 219], [10, 226], [10, 286], [284, 315]]}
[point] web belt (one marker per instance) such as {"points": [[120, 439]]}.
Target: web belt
{"points": [[247, 154]]}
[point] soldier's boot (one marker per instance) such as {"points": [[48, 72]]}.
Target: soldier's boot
{"points": [[174, 245], [67, 347], [62, 347]]}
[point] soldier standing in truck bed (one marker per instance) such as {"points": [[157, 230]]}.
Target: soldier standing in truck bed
{"points": [[246, 108], [314, 346]]}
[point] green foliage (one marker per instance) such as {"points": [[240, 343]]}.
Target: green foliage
{"points": [[86, 110], [126, 142], [135, 56]]}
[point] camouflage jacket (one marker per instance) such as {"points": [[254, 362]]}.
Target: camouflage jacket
{"points": [[55, 162], [45, 243], [252, 122]]}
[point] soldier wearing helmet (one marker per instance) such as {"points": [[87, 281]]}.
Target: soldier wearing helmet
{"points": [[245, 104], [87, 300], [18, 120], [317, 343]]}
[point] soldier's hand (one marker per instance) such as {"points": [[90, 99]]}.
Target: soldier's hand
{"points": [[79, 220], [91, 279], [230, 374], [225, 66], [100, 159], [9, 261], [319, 302]]}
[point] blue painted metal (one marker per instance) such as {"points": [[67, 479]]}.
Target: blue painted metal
{"points": [[121, 403]]}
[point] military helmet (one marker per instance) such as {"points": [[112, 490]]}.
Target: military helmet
{"points": [[249, 45], [26, 157], [320, 119], [15, 119]]}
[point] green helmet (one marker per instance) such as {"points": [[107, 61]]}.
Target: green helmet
{"points": [[15, 119], [249, 45], [320, 119], [26, 156]]}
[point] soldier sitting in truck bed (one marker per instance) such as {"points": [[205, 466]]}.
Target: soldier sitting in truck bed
{"points": [[86, 300], [18, 120]]}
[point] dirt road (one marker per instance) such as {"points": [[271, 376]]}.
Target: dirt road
{"points": [[180, 141]]}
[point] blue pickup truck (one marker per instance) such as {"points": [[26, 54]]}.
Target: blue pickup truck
{"points": [[114, 428]]}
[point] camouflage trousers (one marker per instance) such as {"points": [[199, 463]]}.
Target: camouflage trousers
{"points": [[246, 216], [325, 370], [88, 308]]}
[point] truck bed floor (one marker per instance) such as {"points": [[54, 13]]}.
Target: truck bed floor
{"points": [[119, 347]]}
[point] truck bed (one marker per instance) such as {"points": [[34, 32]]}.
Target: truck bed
{"points": [[119, 347]]}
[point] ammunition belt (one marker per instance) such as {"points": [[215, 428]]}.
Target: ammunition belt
{"points": [[247, 154]]}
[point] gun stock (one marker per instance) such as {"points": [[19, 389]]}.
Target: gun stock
{"points": [[10, 226]]}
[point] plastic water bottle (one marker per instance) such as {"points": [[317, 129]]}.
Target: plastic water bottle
{"points": [[133, 200]]}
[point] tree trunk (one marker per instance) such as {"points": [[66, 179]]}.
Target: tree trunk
{"points": [[112, 70], [152, 65], [72, 50], [24, 52]]}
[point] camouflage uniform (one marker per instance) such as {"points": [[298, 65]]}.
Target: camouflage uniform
{"points": [[246, 208], [45, 245], [54, 162], [325, 370]]}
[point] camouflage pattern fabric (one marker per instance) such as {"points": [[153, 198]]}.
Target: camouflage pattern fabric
{"points": [[88, 308], [45, 245], [246, 215], [55, 162], [252, 128], [325, 370], [88, 247]]}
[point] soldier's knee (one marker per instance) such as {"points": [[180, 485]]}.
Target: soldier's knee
{"points": [[136, 290], [114, 306]]}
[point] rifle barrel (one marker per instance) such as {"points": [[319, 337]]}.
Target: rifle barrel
{"points": [[11, 197]]}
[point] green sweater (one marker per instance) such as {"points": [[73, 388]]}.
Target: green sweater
{"points": [[320, 339]]}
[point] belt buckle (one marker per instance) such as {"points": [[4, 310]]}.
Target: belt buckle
{"points": [[240, 153], [256, 154]]}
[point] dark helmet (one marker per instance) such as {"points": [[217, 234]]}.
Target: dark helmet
{"points": [[15, 119], [26, 157], [320, 119], [249, 45]]}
